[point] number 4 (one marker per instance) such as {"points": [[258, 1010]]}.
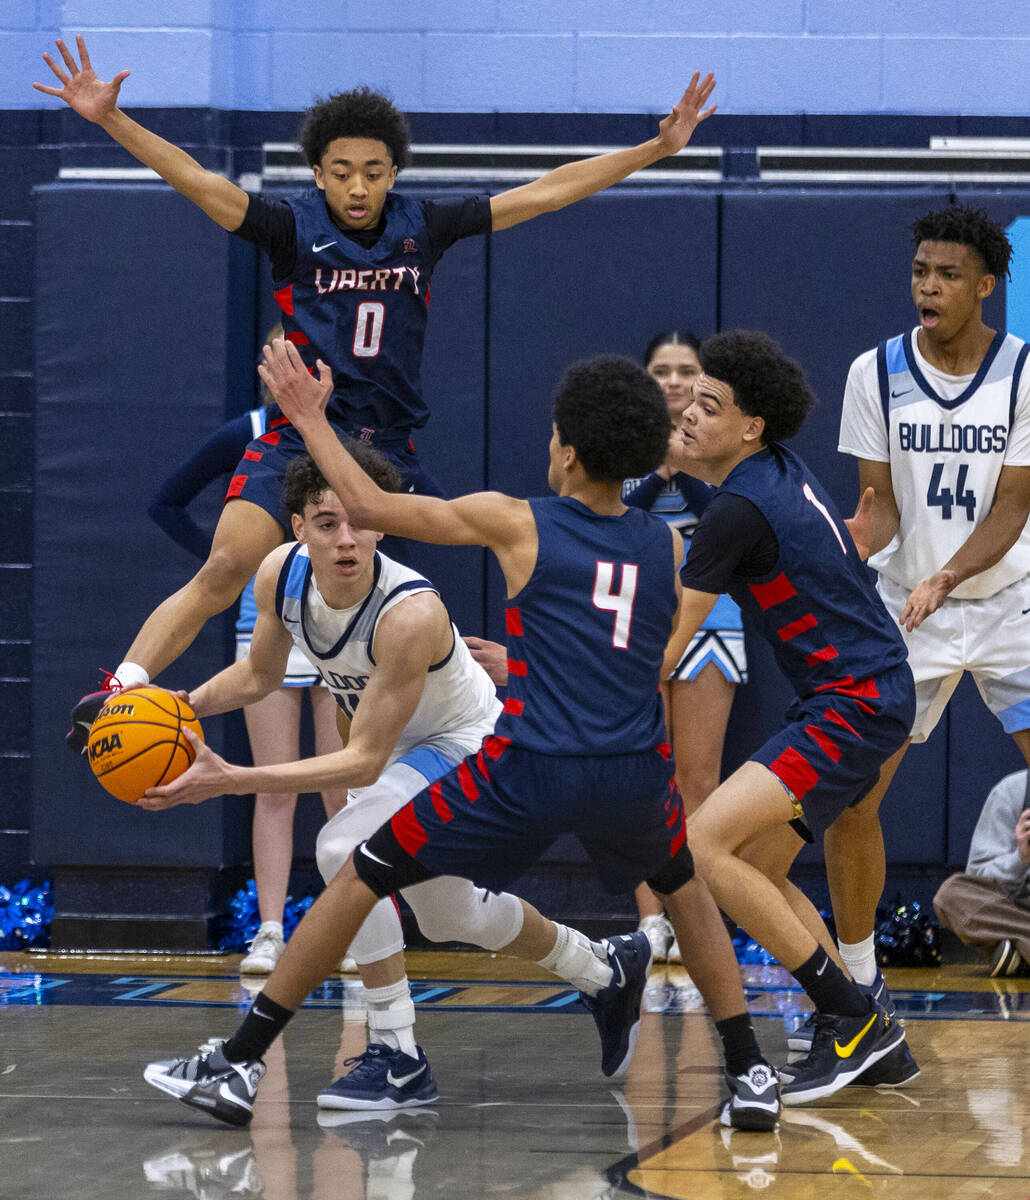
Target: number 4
{"points": [[620, 602]]}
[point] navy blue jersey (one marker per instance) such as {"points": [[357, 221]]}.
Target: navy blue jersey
{"points": [[363, 310], [587, 633], [813, 599]]}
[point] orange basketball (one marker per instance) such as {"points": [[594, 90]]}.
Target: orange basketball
{"points": [[137, 741]]}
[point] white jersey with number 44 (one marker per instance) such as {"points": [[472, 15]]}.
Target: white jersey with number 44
{"points": [[946, 438]]}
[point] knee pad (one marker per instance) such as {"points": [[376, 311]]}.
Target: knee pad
{"points": [[379, 936], [449, 909]]}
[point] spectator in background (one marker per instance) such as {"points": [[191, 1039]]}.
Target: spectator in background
{"points": [[988, 904], [273, 724]]}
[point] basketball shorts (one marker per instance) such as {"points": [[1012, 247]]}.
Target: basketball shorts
{"points": [[259, 474], [989, 638], [299, 671], [831, 752], [491, 819]]}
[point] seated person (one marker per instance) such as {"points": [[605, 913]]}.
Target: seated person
{"points": [[988, 905]]}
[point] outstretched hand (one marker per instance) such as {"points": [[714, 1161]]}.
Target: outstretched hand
{"points": [[89, 96], [297, 392], [860, 526], [676, 130], [926, 598], [209, 776]]}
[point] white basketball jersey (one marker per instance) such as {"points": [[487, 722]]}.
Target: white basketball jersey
{"points": [[946, 438], [459, 705]]}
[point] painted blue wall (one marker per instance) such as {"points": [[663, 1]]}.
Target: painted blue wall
{"points": [[770, 56]]}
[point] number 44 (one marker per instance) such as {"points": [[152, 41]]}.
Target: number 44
{"points": [[942, 498]]}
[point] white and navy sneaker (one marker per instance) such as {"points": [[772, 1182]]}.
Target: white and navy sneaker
{"points": [[754, 1101], [616, 1008], [382, 1078], [801, 1039], [209, 1081]]}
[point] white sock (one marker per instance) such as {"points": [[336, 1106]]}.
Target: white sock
{"points": [[860, 959], [579, 960], [130, 674], [391, 1017]]}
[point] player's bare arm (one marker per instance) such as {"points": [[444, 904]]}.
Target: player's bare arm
{"points": [[261, 672], [410, 638], [575, 181], [96, 100], [876, 520], [691, 612], [502, 523], [988, 544]]}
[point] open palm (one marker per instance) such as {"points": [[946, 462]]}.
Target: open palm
{"points": [[675, 131], [89, 96]]}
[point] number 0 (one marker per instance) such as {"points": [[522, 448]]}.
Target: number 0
{"points": [[368, 329]]}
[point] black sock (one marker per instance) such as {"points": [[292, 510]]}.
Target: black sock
{"points": [[738, 1043], [261, 1026], [829, 988]]}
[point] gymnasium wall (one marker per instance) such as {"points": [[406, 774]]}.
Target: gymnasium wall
{"points": [[770, 56]]}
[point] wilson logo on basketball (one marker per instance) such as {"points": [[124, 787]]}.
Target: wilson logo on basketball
{"points": [[119, 710], [105, 745]]}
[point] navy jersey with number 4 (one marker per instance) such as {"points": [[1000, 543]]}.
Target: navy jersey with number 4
{"points": [[363, 310], [587, 633]]}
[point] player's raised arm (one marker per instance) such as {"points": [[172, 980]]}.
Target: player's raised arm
{"points": [[482, 519], [574, 181], [97, 101]]}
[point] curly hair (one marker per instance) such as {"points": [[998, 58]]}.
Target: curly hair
{"points": [[671, 337], [304, 483], [359, 113], [614, 415], [766, 383], [970, 227]]}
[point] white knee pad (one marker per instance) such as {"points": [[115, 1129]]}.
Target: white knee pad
{"points": [[449, 909], [379, 936]]}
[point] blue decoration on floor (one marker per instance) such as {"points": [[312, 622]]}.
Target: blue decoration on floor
{"points": [[237, 926], [26, 910]]}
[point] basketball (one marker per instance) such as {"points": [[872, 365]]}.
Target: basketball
{"points": [[137, 741]]}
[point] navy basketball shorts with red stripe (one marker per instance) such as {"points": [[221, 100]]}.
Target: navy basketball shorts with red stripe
{"points": [[830, 754], [259, 474], [493, 816]]}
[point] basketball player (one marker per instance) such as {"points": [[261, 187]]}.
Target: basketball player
{"points": [[771, 538], [939, 419], [377, 633], [352, 265], [592, 592]]}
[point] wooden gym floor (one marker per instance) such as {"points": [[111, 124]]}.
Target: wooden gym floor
{"points": [[524, 1111]]}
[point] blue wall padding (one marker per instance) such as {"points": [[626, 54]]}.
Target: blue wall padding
{"points": [[132, 302], [148, 321]]}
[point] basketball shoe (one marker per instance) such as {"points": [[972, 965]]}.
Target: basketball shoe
{"points": [[616, 1008], [801, 1039], [1006, 960], [85, 712], [659, 934], [209, 1081], [842, 1049], [382, 1078], [754, 1101]]}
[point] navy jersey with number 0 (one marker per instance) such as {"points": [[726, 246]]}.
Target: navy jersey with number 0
{"points": [[363, 311], [587, 633], [817, 607]]}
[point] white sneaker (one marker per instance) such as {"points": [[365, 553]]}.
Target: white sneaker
{"points": [[265, 947], [348, 966], [659, 934]]}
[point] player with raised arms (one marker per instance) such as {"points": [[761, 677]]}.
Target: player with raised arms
{"points": [[352, 263], [771, 537], [592, 591]]}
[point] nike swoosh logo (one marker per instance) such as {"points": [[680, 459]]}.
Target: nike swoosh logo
{"points": [[368, 854], [895, 395], [400, 1082], [325, 246], [849, 1049], [823, 967], [621, 981], [228, 1095], [1025, 611]]}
